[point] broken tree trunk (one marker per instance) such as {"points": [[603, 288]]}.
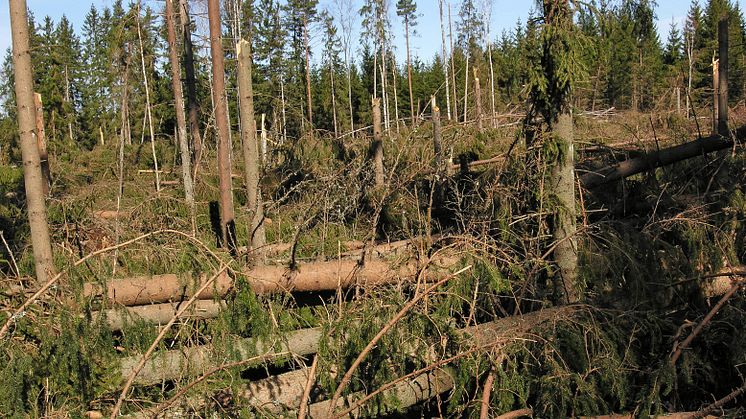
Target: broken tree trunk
{"points": [[250, 146], [660, 158], [437, 146], [478, 100], [312, 277], [41, 143], [722, 121], [377, 145]]}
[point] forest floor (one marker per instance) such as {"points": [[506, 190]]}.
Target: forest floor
{"points": [[441, 286]]}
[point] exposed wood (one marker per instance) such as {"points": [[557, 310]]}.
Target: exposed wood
{"points": [[437, 146], [478, 100], [227, 217], [191, 84], [660, 158], [41, 142], [715, 93], [32, 172]]}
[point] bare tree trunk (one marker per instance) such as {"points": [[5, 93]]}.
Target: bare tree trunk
{"points": [[250, 149], [715, 99], [394, 89], [723, 76], [263, 149], [453, 65], [466, 89], [308, 70], [334, 99], [690, 58], [32, 175], [409, 73], [492, 86], [186, 159], [147, 104], [437, 146], [191, 85], [445, 59], [478, 100], [377, 145], [284, 114], [227, 218], [41, 142]]}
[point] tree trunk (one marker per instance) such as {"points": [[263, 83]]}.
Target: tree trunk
{"points": [[715, 98], [148, 113], [334, 98], [445, 59], [32, 174], [563, 178], [660, 158], [409, 73], [723, 76], [437, 147], [41, 142], [308, 71], [250, 149], [227, 218], [186, 159], [377, 145], [453, 65], [492, 86], [466, 89], [478, 100], [191, 85]]}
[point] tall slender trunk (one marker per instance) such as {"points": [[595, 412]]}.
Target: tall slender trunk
{"points": [[377, 145], [384, 92], [437, 146], [250, 149], [715, 101], [445, 60], [349, 95], [334, 99], [191, 85], [186, 159], [409, 73], [453, 65], [32, 176], [492, 86], [394, 90], [478, 100], [723, 76], [284, 113], [690, 59], [227, 218], [466, 89], [308, 70], [148, 113]]}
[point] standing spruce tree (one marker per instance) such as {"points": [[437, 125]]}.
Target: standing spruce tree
{"points": [[269, 63], [96, 87], [299, 14], [407, 10], [552, 81]]}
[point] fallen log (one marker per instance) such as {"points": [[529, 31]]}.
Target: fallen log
{"points": [[159, 313], [311, 277], [192, 361], [660, 158], [283, 392]]}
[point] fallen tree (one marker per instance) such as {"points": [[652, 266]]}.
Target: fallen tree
{"points": [[660, 158], [311, 277]]}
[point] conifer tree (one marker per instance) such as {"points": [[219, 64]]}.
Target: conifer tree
{"points": [[407, 10]]}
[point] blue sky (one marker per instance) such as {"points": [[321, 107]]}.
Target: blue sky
{"points": [[505, 13]]}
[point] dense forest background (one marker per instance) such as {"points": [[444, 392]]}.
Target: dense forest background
{"points": [[627, 66]]}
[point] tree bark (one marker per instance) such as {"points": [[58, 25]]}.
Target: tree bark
{"points": [[478, 100], [409, 73], [715, 94], [437, 147], [250, 146], [722, 127], [41, 142], [32, 173], [563, 179], [308, 71], [191, 86], [227, 218], [453, 65], [445, 59], [377, 144], [660, 158], [186, 159]]}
